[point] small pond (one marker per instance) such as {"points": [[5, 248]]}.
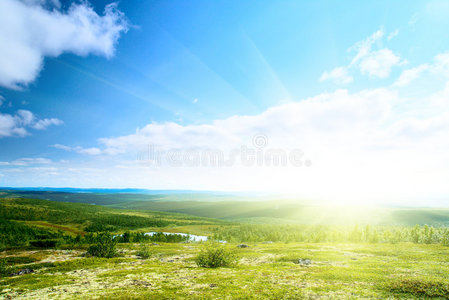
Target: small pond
{"points": [[192, 237]]}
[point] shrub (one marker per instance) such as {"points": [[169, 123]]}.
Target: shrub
{"points": [[421, 288], [3, 269], [104, 246], [214, 256], [44, 243], [144, 251]]}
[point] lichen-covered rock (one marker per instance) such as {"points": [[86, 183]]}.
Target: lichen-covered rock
{"points": [[22, 272], [304, 262]]}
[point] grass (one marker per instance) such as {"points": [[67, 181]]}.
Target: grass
{"points": [[344, 264], [264, 271], [421, 288]]}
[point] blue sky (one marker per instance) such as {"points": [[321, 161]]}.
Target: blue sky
{"points": [[103, 84]]}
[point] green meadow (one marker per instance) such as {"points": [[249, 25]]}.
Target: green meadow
{"points": [[63, 250]]}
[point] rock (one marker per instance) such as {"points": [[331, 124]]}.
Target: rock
{"points": [[141, 282], [242, 246], [22, 272], [154, 244], [212, 285], [304, 262], [268, 242]]}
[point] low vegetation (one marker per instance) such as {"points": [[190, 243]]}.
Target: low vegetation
{"points": [[421, 288], [341, 234], [144, 251], [43, 257], [104, 246], [214, 255]]}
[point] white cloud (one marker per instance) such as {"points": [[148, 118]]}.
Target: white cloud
{"points": [[26, 162], [393, 34], [78, 149], [44, 123], [407, 76], [373, 144], [17, 124], [339, 75], [375, 63], [441, 63], [439, 67], [379, 63], [12, 125], [29, 32], [49, 3], [327, 115], [363, 48]]}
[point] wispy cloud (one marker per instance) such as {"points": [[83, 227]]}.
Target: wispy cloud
{"points": [[439, 67], [374, 63], [44, 123], [393, 34], [78, 149], [339, 75], [407, 76], [26, 162], [363, 47]]}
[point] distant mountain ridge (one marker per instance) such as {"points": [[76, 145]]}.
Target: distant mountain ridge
{"points": [[108, 191]]}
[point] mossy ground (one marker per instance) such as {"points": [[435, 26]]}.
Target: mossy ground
{"points": [[342, 271]]}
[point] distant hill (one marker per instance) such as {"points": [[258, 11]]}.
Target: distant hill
{"points": [[242, 208]]}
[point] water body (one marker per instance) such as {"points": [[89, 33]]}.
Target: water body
{"points": [[192, 237]]}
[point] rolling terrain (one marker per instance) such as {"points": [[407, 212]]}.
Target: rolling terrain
{"points": [[242, 208], [46, 252]]}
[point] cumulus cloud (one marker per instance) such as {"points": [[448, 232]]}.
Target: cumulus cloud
{"points": [[379, 63], [17, 124], [371, 144], [368, 119], [374, 63], [30, 31]]}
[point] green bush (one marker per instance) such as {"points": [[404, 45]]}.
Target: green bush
{"points": [[214, 256], [44, 243], [144, 251], [3, 269], [104, 246], [421, 288]]}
